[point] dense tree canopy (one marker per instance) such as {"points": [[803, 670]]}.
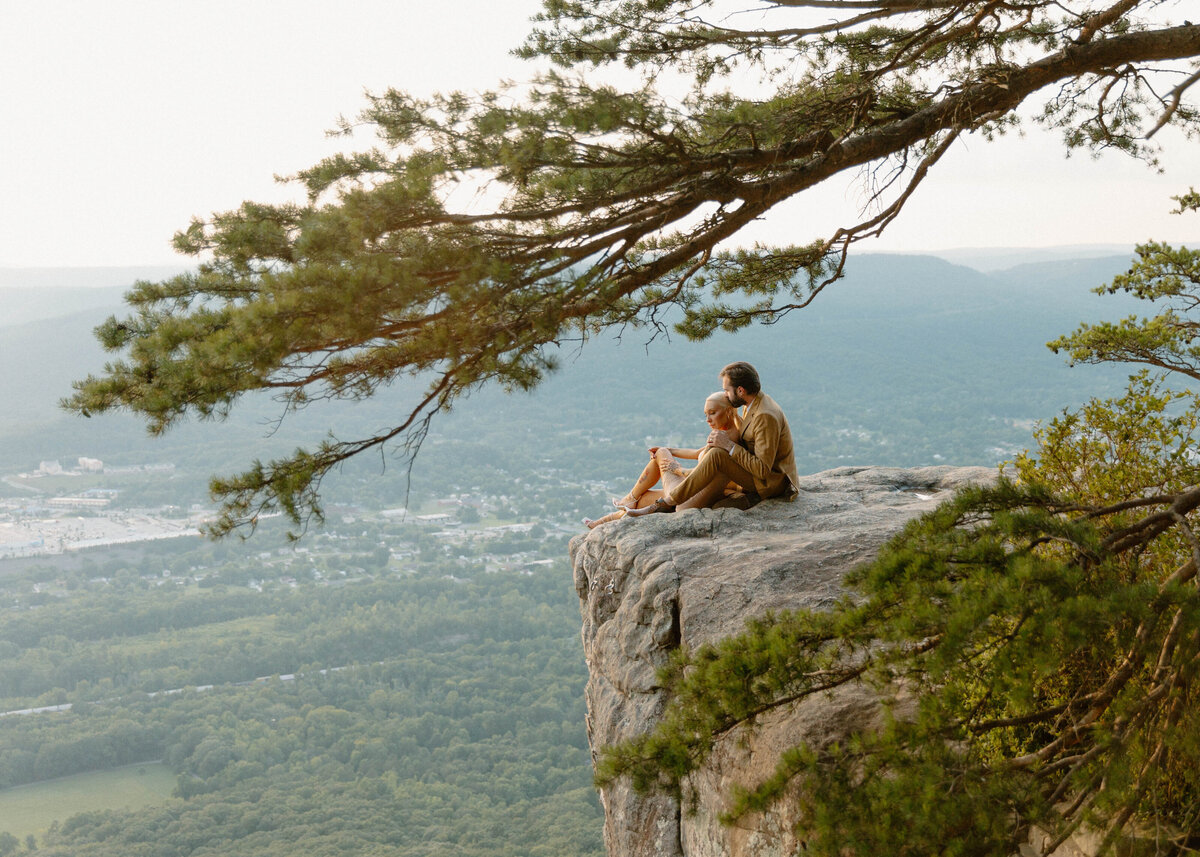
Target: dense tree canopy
{"points": [[417, 713], [1049, 627], [607, 205]]}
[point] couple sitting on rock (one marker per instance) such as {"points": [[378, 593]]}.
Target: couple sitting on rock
{"points": [[747, 458]]}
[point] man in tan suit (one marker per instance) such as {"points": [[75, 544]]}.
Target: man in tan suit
{"points": [[762, 462]]}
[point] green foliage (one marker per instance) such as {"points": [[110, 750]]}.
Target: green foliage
{"points": [[1168, 276], [30, 810], [611, 206], [1034, 644], [421, 715]]}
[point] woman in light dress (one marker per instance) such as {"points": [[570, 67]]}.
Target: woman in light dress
{"points": [[664, 467]]}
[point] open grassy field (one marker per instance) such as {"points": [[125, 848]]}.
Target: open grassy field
{"points": [[31, 809]]}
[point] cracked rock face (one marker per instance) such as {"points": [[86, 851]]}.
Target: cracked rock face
{"points": [[650, 585]]}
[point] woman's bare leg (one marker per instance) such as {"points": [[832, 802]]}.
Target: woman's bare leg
{"points": [[705, 497], [669, 468], [672, 475], [647, 480], [648, 498], [611, 516]]}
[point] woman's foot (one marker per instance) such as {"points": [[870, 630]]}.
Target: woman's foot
{"points": [[659, 505], [626, 502]]}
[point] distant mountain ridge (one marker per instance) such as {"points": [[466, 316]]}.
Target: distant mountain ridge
{"points": [[42, 357], [33, 294], [992, 259], [22, 305], [119, 276]]}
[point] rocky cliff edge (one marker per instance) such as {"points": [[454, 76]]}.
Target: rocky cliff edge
{"points": [[650, 585]]}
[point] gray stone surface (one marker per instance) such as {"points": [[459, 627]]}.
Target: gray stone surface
{"points": [[651, 584]]}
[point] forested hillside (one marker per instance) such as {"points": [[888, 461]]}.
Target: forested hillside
{"points": [[417, 713]]}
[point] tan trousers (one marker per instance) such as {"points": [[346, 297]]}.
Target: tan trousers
{"points": [[713, 464]]}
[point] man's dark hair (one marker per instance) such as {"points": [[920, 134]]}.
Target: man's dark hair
{"points": [[742, 374]]}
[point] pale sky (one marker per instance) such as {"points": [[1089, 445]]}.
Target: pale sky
{"points": [[123, 119]]}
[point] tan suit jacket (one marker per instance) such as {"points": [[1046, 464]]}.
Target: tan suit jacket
{"points": [[765, 449]]}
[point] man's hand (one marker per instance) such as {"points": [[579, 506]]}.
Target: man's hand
{"points": [[721, 439]]}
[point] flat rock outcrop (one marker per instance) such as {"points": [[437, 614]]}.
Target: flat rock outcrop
{"points": [[650, 585]]}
